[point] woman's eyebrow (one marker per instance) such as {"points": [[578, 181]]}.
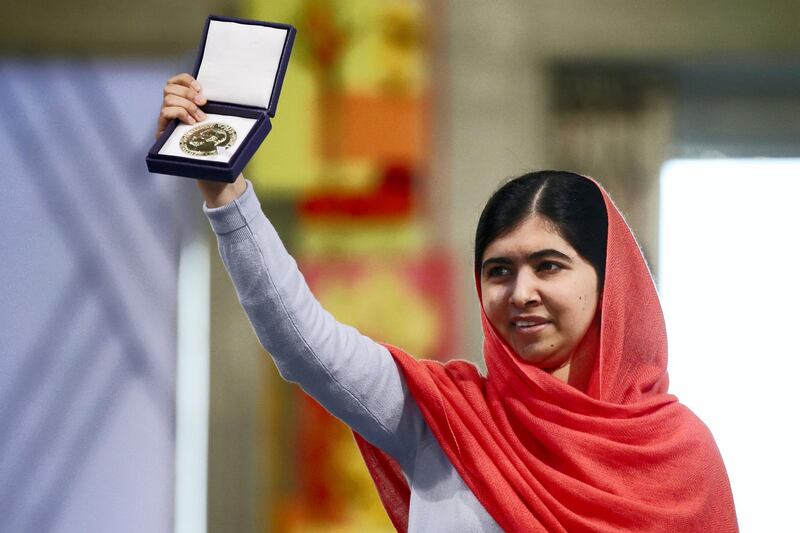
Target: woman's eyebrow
{"points": [[496, 261], [549, 252]]}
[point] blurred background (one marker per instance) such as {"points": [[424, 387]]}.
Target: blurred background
{"points": [[133, 394]]}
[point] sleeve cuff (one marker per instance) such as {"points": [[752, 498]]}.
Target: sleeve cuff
{"points": [[236, 214]]}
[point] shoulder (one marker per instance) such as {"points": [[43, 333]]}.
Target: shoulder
{"points": [[456, 370], [463, 370]]}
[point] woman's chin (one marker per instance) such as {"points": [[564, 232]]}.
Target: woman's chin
{"points": [[548, 361]]}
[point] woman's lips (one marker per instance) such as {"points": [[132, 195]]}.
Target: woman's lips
{"points": [[528, 326]]}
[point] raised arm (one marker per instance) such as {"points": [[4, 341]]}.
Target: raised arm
{"points": [[352, 376]]}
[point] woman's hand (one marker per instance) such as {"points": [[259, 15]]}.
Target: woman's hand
{"points": [[183, 96]]}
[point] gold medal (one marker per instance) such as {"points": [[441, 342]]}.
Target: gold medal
{"points": [[205, 138]]}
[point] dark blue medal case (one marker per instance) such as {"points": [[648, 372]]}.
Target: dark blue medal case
{"points": [[226, 171]]}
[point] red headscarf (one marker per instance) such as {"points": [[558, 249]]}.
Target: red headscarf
{"points": [[541, 455]]}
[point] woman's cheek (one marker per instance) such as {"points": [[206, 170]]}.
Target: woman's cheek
{"points": [[492, 302]]}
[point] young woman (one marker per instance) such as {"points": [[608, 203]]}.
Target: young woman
{"points": [[572, 428]]}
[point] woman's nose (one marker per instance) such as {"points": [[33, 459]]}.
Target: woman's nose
{"points": [[526, 289]]}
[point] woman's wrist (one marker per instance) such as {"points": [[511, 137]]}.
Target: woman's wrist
{"points": [[217, 194]]}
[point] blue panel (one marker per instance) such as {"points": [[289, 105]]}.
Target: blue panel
{"points": [[90, 243]]}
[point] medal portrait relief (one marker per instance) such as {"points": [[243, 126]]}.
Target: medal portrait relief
{"points": [[205, 139]]}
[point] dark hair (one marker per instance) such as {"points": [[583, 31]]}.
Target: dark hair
{"points": [[571, 202]]}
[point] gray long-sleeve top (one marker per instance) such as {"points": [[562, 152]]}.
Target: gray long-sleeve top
{"points": [[352, 376]]}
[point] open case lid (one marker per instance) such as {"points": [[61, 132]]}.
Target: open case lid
{"points": [[243, 62]]}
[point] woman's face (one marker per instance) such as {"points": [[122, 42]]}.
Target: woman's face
{"points": [[538, 293]]}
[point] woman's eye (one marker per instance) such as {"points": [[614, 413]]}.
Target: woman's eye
{"points": [[550, 267], [497, 271]]}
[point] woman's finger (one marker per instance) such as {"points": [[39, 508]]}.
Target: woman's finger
{"points": [[185, 92], [186, 80], [172, 100], [176, 112]]}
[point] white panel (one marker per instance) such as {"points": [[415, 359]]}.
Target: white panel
{"points": [[730, 288], [241, 125], [240, 62]]}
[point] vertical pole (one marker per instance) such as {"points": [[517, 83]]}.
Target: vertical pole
{"points": [[191, 434]]}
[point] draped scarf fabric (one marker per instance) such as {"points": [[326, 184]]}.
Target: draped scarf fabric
{"points": [[540, 455]]}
